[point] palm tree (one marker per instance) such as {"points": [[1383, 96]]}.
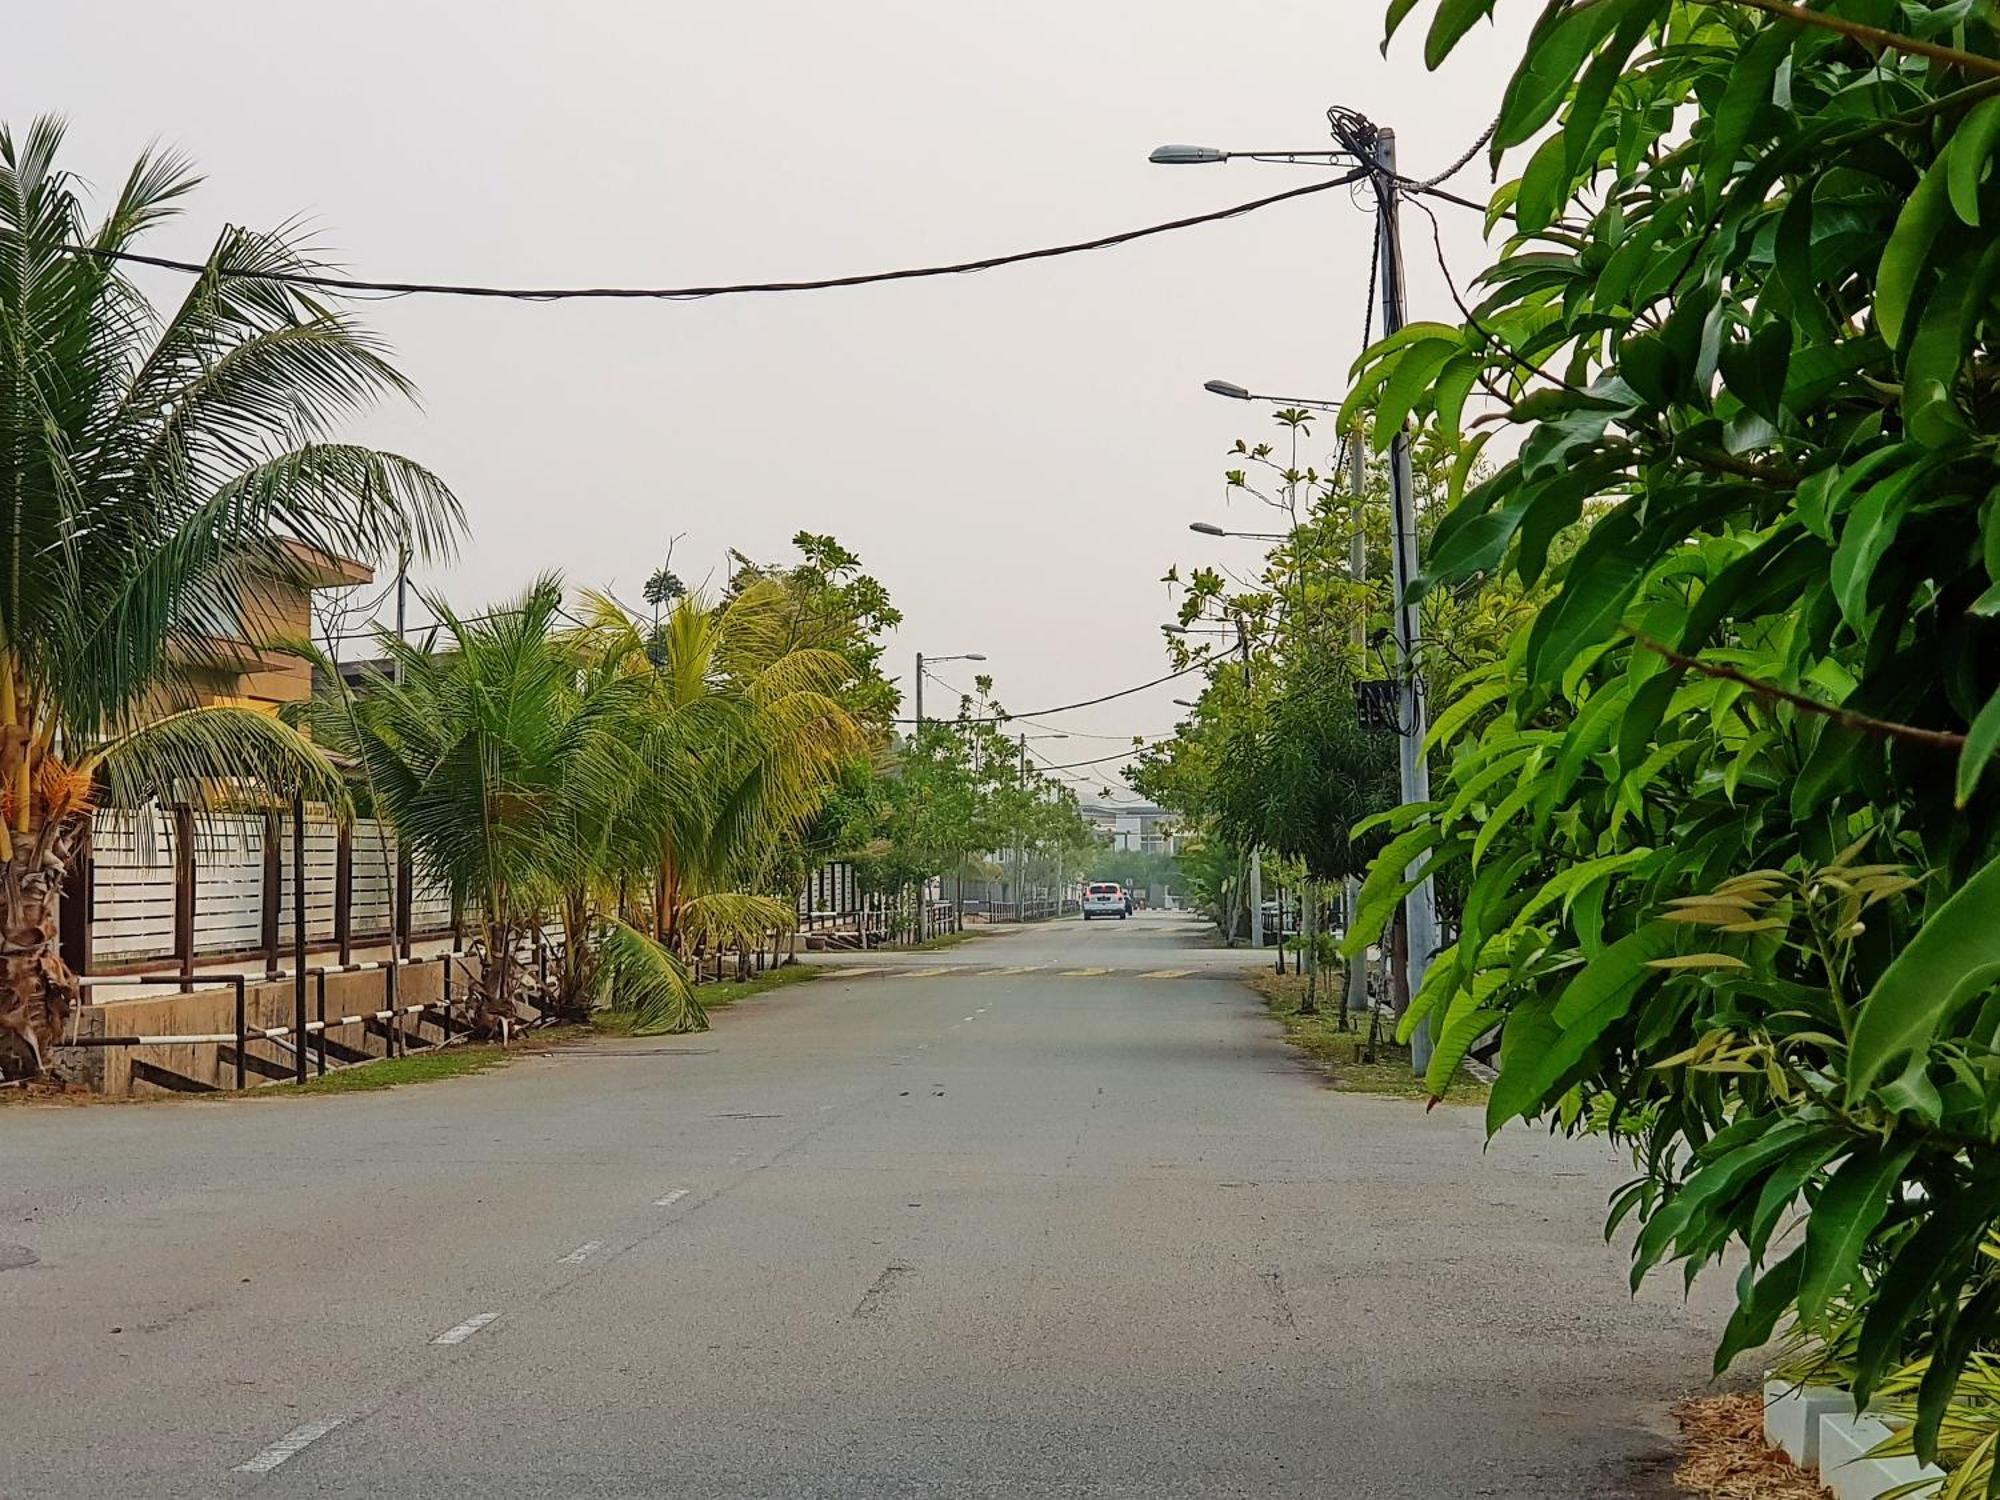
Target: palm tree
{"points": [[743, 737], [152, 467], [502, 760]]}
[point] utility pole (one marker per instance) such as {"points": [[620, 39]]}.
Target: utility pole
{"points": [[1357, 570], [1420, 907], [1021, 842], [920, 692], [1256, 856]]}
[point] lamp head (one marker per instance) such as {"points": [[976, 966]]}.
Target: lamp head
{"points": [[1227, 388], [1187, 156]]}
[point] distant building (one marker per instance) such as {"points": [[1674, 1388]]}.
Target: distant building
{"points": [[228, 668], [1142, 828]]}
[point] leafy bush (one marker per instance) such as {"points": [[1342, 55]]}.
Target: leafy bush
{"points": [[1730, 857]]}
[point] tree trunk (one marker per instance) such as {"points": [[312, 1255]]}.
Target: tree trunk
{"points": [[493, 1001], [37, 989]]}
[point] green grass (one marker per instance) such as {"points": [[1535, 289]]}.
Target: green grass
{"points": [[393, 1072], [1339, 1053]]}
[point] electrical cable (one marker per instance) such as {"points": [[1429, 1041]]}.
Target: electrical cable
{"points": [[1453, 170], [694, 293], [1063, 708], [1076, 764]]}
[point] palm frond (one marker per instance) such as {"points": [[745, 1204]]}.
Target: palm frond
{"points": [[637, 976], [736, 919], [211, 756]]}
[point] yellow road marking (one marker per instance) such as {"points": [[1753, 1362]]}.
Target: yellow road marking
{"points": [[1168, 974], [1017, 969], [919, 973], [841, 971], [1083, 973]]}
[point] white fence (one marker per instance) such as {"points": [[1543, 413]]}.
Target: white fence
{"points": [[132, 913]]}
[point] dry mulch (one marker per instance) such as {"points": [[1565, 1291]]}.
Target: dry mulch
{"points": [[1726, 1456]]}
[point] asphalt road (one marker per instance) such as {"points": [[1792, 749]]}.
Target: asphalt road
{"points": [[1054, 1213]]}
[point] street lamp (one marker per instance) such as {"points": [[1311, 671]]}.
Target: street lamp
{"points": [[1209, 528], [1371, 152], [1236, 392], [922, 661], [1201, 156]]}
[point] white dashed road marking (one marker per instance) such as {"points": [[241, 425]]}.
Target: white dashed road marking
{"points": [[289, 1446], [672, 1198], [459, 1333], [581, 1253]]}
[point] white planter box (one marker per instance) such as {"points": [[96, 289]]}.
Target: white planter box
{"points": [[1842, 1468], [1792, 1413]]}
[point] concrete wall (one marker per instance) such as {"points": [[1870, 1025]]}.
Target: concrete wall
{"points": [[212, 1011]]}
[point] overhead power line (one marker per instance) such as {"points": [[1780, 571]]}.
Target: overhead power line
{"points": [[1074, 765], [328, 283], [1063, 708]]}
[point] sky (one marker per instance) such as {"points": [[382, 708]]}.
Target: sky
{"points": [[1016, 455]]}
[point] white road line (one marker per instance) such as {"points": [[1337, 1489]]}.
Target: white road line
{"points": [[581, 1253], [672, 1198], [459, 1333], [289, 1446]]}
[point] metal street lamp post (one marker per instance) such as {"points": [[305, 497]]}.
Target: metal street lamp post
{"points": [[1420, 906], [931, 661]]}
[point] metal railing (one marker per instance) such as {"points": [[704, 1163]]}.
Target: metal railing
{"points": [[304, 1030]]}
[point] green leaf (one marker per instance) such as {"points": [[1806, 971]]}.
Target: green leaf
{"points": [[1745, 97], [1589, 733], [1382, 889], [1544, 1039], [1869, 531], [1544, 186], [1463, 709], [1564, 886], [1907, 253], [1786, 1182], [1504, 812], [1412, 376], [1940, 1247], [1549, 65], [1970, 149], [1461, 1029], [1759, 1305], [1852, 1204], [1954, 955], [1981, 742], [1453, 19], [1755, 371], [1603, 575]]}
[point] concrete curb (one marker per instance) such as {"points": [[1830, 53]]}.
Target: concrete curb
{"points": [[1818, 1429]]}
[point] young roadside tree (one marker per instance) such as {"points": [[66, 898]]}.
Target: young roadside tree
{"points": [[1725, 806], [156, 468]]}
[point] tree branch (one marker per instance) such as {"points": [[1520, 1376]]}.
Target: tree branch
{"points": [[1937, 739], [1875, 36]]}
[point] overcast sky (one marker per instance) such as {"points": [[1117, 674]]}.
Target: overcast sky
{"points": [[1015, 454]]}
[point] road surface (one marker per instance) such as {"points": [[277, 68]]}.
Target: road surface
{"points": [[1054, 1213]]}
